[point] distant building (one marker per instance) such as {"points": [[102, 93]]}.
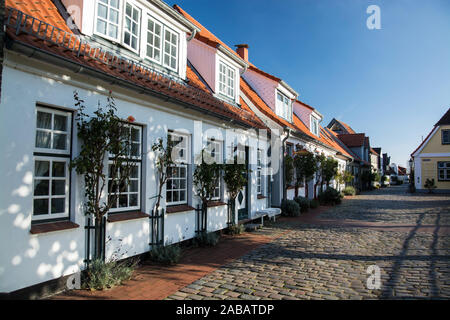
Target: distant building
{"points": [[431, 159]]}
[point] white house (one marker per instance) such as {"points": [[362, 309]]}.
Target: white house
{"points": [[140, 51]]}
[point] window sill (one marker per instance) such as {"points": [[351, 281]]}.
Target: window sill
{"points": [[124, 216], [179, 208], [216, 204], [260, 196], [52, 226]]}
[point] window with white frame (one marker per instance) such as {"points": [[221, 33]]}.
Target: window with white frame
{"points": [[314, 126], [258, 172], [176, 186], [127, 195], [284, 106], [107, 20], [215, 149], [154, 43], [226, 80], [444, 171], [170, 49], [162, 44], [131, 28], [51, 178]]}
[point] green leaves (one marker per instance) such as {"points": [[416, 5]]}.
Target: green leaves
{"points": [[103, 135], [206, 176]]}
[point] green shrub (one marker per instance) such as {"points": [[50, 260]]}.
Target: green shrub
{"points": [[303, 203], [349, 191], [430, 185], [314, 203], [236, 229], [170, 254], [290, 208], [206, 239], [330, 196], [101, 275]]}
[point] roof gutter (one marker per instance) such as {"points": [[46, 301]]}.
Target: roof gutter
{"points": [[37, 53]]}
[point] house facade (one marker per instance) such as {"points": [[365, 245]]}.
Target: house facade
{"points": [[175, 80], [431, 159], [152, 80]]}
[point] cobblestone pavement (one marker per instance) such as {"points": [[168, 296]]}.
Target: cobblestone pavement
{"points": [[330, 261]]}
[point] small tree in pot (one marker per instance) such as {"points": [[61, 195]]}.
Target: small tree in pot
{"points": [[206, 175], [305, 167], [235, 177], [104, 136]]}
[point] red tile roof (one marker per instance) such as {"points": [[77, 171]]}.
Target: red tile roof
{"points": [[353, 140], [204, 35], [88, 55]]}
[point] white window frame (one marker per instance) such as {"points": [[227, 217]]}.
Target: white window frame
{"points": [[314, 125], [228, 78], [259, 186], [218, 157], [52, 131], [284, 106], [119, 24], [138, 161], [445, 167], [172, 33], [161, 39], [180, 163], [123, 29], [128, 193], [66, 196]]}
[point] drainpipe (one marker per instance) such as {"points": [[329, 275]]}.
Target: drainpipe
{"points": [[284, 167]]}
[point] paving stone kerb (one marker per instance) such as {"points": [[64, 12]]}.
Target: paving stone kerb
{"points": [[405, 235]]}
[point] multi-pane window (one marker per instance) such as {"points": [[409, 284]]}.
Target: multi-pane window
{"points": [[258, 171], [444, 171], [170, 48], [284, 106], [53, 131], [226, 80], [176, 187], [314, 126], [51, 179], [154, 32], [131, 26], [107, 22], [215, 149], [445, 136], [127, 195]]}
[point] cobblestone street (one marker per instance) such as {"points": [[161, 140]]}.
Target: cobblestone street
{"points": [[406, 236]]}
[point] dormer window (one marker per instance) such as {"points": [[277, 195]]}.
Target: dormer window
{"points": [[108, 12], [226, 80], [121, 21], [156, 44], [131, 27], [284, 107], [314, 126]]}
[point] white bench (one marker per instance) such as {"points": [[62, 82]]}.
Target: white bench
{"points": [[269, 212]]}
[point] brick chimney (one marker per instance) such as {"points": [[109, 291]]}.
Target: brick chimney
{"points": [[242, 51]]}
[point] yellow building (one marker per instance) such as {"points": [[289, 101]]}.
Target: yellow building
{"points": [[431, 160]]}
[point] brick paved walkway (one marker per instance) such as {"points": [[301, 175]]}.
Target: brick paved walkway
{"points": [[326, 256], [321, 255]]}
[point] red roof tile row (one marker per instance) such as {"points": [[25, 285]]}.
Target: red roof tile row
{"points": [[195, 93]]}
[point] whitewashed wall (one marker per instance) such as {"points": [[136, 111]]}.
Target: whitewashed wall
{"points": [[28, 259]]}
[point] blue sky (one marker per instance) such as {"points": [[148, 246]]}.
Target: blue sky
{"points": [[393, 84]]}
